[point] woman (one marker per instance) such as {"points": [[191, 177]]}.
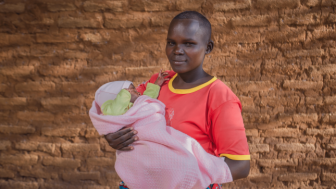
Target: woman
{"points": [[197, 103]]}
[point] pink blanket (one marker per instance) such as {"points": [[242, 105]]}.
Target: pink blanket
{"points": [[163, 157]]}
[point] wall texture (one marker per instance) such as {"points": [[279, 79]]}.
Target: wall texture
{"points": [[278, 56]]}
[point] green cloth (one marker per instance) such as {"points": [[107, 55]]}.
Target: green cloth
{"points": [[122, 103]]}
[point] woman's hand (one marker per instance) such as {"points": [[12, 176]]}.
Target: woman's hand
{"points": [[121, 139]]}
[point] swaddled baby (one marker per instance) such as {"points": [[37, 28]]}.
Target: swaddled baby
{"points": [[115, 98], [162, 156]]}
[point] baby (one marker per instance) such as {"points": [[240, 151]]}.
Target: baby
{"points": [[117, 103], [162, 156]]}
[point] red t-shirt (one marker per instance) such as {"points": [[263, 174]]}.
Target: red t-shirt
{"points": [[209, 113]]}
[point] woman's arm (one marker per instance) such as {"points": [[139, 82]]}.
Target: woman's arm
{"points": [[239, 168]]}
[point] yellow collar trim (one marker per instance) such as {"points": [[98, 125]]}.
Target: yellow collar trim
{"points": [[187, 91]]}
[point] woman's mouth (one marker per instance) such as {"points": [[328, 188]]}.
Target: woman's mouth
{"points": [[179, 62]]}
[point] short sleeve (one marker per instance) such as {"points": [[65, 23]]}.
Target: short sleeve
{"points": [[228, 132]]}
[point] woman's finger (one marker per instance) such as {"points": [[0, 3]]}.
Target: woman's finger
{"points": [[128, 142], [128, 148], [124, 138], [112, 136]]}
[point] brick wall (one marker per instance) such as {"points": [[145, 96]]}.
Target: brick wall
{"points": [[278, 56]]}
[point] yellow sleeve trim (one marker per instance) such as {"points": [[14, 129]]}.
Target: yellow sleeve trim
{"points": [[187, 91], [236, 157]]}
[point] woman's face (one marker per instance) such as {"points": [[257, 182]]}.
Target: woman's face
{"points": [[186, 45]]}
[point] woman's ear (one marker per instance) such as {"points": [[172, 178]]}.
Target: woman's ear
{"points": [[210, 46]]}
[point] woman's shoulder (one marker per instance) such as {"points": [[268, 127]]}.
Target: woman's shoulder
{"points": [[221, 93]]}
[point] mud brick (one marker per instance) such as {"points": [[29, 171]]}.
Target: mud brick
{"points": [[328, 3], [331, 146], [151, 5], [277, 4], [55, 7], [94, 6], [36, 173], [254, 148], [241, 38], [314, 100], [46, 147], [70, 68], [91, 133], [44, 86], [282, 132], [55, 102], [251, 21], [61, 162], [329, 177], [16, 129], [295, 147], [312, 3], [261, 178], [11, 184], [100, 161], [30, 146], [321, 161], [325, 69], [142, 71], [61, 132], [4, 144], [189, 5], [305, 118], [12, 8], [39, 116], [251, 86], [60, 185], [112, 176], [56, 38], [79, 87], [95, 21], [6, 174], [81, 176], [305, 85], [297, 177], [283, 37], [92, 37], [68, 148], [305, 53], [251, 132], [277, 163], [305, 19], [8, 103], [330, 100], [124, 21], [15, 39], [103, 69], [19, 159], [333, 50], [232, 5], [320, 131], [17, 71], [95, 187]]}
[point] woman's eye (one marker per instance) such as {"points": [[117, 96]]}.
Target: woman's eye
{"points": [[188, 44], [170, 43]]}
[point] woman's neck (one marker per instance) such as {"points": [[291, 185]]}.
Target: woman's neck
{"points": [[193, 75], [191, 79]]}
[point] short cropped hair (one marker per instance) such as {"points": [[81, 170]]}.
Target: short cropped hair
{"points": [[204, 22]]}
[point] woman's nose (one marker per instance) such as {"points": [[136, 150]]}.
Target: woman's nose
{"points": [[178, 50]]}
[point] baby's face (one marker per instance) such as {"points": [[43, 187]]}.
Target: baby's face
{"points": [[134, 93]]}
